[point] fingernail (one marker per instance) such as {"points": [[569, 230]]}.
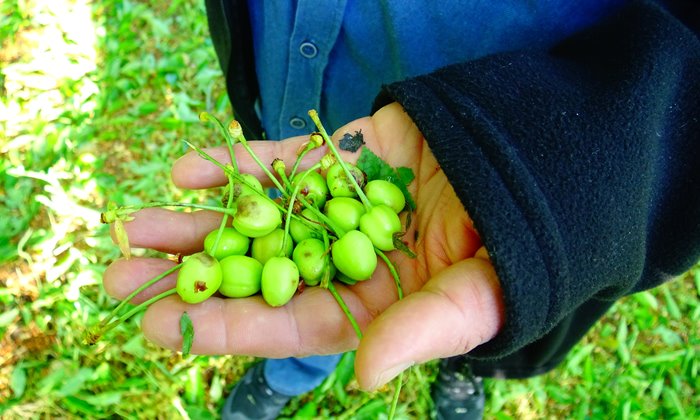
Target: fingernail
{"points": [[389, 374]]}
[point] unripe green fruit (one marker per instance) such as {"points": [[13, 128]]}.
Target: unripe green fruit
{"points": [[331, 273], [344, 279], [270, 245], [345, 212], [242, 276], [301, 230], [353, 255], [280, 279], [199, 277], [231, 242], [311, 260], [339, 185], [240, 189], [379, 224], [256, 216], [384, 192], [313, 187]]}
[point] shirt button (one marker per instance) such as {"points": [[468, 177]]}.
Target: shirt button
{"points": [[297, 123], [308, 49]]}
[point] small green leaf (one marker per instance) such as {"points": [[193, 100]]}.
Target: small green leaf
{"points": [[307, 411], [76, 381], [401, 245], [18, 381], [623, 350], [340, 394], [135, 346], [673, 401], [215, 388], [79, 405], [647, 299], [187, 331], [671, 305], [371, 410], [578, 356], [663, 358], [194, 386], [199, 413], [406, 175], [53, 380], [147, 108], [105, 399], [8, 317], [346, 368], [122, 238]]}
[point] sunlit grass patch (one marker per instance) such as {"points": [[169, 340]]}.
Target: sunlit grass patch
{"points": [[68, 146]]}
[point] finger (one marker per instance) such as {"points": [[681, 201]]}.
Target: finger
{"points": [[390, 134], [361, 126], [482, 253], [455, 311], [194, 172], [312, 323], [169, 231], [124, 276]]}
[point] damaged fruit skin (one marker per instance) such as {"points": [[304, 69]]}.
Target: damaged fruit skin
{"points": [[199, 277]]}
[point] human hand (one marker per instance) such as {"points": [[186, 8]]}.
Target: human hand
{"points": [[453, 301]]}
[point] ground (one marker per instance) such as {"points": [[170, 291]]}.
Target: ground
{"points": [[97, 97]]}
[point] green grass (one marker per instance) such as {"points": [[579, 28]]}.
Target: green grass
{"points": [[96, 99]]}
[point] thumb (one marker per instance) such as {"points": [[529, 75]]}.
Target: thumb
{"points": [[454, 312]]}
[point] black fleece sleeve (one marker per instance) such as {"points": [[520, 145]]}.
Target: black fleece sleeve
{"points": [[580, 165]]}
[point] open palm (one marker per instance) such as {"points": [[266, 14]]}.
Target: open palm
{"points": [[453, 300]]}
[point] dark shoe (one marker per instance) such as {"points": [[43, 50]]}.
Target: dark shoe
{"points": [[457, 393], [252, 398]]}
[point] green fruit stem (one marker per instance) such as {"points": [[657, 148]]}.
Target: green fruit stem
{"points": [[312, 144], [224, 219], [224, 210], [314, 116], [137, 309], [232, 173], [392, 270], [236, 132], [290, 207], [154, 204], [309, 147], [339, 232], [279, 167], [346, 310], [140, 289], [399, 380], [229, 170], [395, 398], [326, 279], [399, 291], [205, 116], [327, 284]]}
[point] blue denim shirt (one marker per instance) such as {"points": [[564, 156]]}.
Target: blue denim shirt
{"points": [[334, 55]]}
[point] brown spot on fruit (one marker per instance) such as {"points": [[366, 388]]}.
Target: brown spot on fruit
{"points": [[247, 206]]}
